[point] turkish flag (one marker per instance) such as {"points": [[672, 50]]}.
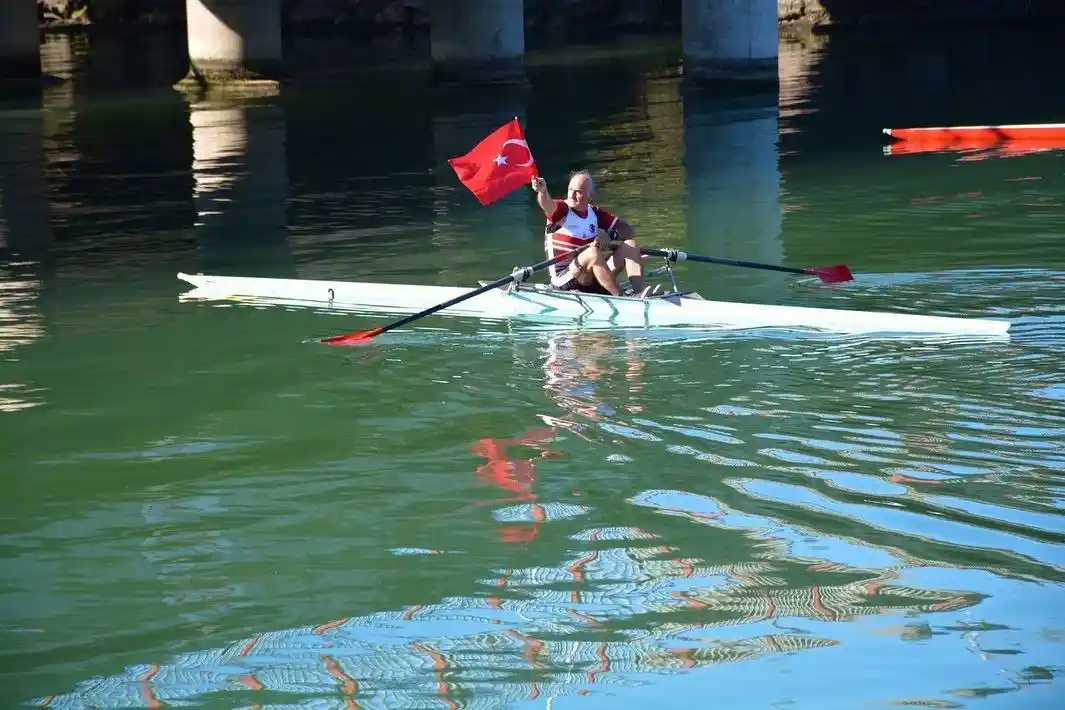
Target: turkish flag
{"points": [[498, 165]]}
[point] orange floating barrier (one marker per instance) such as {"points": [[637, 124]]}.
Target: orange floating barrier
{"points": [[980, 134], [1002, 141]]}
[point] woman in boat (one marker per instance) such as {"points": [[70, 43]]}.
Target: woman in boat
{"points": [[574, 221]]}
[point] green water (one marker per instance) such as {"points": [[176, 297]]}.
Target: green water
{"points": [[201, 509]]}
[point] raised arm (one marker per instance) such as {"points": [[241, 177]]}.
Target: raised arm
{"points": [[543, 197]]}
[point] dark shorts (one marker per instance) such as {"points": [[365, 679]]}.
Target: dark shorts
{"points": [[574, 285]]}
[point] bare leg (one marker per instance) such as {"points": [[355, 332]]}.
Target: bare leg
{"points": [[591, 265], [627, 255]]}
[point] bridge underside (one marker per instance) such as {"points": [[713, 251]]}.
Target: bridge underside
{"points": [[236, 44], [478, 41], [731, 41], [20, 42]]}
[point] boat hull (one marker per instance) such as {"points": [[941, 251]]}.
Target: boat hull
{"points": [[978, 136], [536, 303]]}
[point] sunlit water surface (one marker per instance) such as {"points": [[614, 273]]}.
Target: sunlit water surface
{"points": [[203, 509]]}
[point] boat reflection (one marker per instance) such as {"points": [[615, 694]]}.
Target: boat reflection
{"points": [[583, 371], [975, 148]]}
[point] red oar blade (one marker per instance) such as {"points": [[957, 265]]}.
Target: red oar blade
{"points": [[359, 336], [831, 274]]}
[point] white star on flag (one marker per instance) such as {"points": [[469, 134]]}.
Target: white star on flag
{"points": [[500, 159]]}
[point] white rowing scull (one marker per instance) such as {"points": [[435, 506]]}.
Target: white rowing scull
{"points": [[540, 303]]}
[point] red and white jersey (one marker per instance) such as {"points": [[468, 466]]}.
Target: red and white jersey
{"points": [[574, 230]]}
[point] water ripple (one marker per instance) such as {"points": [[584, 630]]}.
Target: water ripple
{"points": [[490, 514]]}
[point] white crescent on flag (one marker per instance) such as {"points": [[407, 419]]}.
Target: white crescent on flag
{"points": [[518, 141]]}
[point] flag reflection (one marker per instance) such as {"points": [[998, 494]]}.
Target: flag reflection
{"points": [[516, 476]]}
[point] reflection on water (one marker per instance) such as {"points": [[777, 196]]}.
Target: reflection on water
{"points": [[177, 550], [474, 514], [502, 656], [25, 231], [239, 168], [21, 324], [25, 238], [731, 165], [576, 362], [517, 477], [806, 521], [981, 148], [798, 63]]}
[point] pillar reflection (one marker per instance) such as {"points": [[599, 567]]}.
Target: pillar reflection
{"points": [[58, 61], [25, 229], [800, 62], [731, 160], [240, 188], [25, 242]]}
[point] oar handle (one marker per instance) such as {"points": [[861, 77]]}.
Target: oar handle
{"points": [[677, 255]]}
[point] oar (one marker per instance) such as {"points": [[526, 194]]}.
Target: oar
{"points": [[828, 274], [518, 275]]}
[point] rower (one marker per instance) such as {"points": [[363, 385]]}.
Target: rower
{"points": [[574, 221]]}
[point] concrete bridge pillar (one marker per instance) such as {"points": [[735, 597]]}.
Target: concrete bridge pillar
{"points": [[234, 45], [20, 42], [730, 40], [240, 175], [732, 170], [478, 41]]}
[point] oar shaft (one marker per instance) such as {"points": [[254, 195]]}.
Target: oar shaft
{"points": [[524, 272], [518, 274], [675, 255]]}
